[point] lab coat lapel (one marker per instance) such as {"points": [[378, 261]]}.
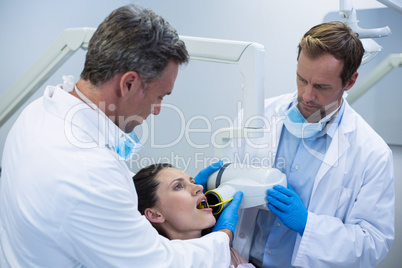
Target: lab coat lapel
{"points": [[278, 123], [338, 146], [277, 131]]}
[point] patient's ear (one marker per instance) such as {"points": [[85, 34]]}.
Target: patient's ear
{"points": [[153, 215]]}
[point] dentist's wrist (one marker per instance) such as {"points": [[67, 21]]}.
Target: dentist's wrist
{"points": [[228, 232]]}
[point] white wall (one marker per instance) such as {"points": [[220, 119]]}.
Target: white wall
{"points": [[204, 91]]}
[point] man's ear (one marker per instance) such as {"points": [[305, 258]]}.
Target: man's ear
{"points": [[351, 81], [153, 215], [130, 82]]}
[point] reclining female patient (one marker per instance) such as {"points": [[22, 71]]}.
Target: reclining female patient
{"points": [[169, 198]]}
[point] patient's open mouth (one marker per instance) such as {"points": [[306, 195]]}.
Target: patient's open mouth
{"points": [[203, 204]]}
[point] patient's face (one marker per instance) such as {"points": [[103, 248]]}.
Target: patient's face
{"points": [[178, 199]]}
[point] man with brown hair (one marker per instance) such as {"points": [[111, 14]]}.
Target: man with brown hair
{"points": [[338, 208]]}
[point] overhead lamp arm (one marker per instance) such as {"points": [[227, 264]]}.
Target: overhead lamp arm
{"points": [[389, 63], [69, 41], [394, 4], [347, 11], [247, 55], [250, 59]]}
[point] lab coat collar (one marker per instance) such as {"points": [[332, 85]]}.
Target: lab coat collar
{"points": [[76, 114]]}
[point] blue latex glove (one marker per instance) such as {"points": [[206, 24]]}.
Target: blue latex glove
{"points": [[202, 176], [286, 204], [229, 216]]}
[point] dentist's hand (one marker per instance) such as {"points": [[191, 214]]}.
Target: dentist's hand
{"points": [[229, 216], [286, 204], [203, 175]]}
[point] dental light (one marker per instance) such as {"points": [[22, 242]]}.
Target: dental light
{"points": [[347, 11], [251, 180]]}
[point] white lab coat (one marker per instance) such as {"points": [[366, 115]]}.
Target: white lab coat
{"points": [[66, 200], [351, 211]]}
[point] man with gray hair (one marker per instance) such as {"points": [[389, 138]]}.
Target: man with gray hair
{"points": [[74, 203]]}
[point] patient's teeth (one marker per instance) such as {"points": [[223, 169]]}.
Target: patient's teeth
{"points": [[203, 204]]}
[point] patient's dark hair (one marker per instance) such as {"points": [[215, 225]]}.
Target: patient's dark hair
{"points": [[146, 185]]}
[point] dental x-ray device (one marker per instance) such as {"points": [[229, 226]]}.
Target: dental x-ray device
{"points": [[251, 180]]}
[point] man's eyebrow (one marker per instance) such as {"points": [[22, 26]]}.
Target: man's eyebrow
{"points": [[298, 75], [322, 85]]}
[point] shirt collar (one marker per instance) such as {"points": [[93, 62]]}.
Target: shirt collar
{"points": [[331, 127]]}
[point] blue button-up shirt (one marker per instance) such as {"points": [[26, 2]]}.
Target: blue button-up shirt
{"points": [[300, 160]]}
